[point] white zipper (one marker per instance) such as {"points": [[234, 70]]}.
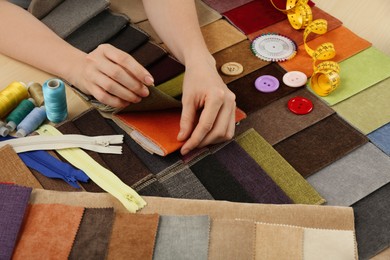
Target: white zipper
{"points": [[100, 144]]}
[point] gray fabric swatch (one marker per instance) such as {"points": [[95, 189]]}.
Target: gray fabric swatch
{"points": [[40, 8], [182, 237], [352, 177]]}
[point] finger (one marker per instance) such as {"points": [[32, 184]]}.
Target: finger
{"points": [[107, 98], [187, 121]]}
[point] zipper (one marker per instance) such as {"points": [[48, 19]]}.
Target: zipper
{"points": [[100, 144], [106, 179]]}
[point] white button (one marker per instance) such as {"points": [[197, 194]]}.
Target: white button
{"points": [[295, 79]]}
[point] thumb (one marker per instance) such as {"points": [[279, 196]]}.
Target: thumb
{"points": [[187, 122]]}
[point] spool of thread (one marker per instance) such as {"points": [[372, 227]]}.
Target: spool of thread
{"points": [[19, 113], [31, 122], [55, 100], [4, 131], [11, 96], [36, 92]]}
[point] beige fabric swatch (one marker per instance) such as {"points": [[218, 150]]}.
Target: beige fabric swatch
{"points": [[384, 255]]}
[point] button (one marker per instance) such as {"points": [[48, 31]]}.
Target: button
{"points": [[295, 79], [267, 83], [300, 105], [232, 68]]}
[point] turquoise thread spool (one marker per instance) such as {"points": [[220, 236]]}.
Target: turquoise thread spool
{"points": [[19, 113], [55, 100], [31, 122]]}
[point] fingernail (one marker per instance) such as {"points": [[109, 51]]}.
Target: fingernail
{"points": [[149, 81], [180, 135], [185, 151], [145, 91]]}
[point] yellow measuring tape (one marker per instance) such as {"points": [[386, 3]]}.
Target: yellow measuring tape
{"points": [[326, 77]]}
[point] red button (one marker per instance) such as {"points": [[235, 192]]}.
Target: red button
{"points": [[300, 105]]}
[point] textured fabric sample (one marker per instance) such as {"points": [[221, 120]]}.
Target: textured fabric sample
{"points": [[244, 169], [48, 230], [13, 170], [283, 174], [22, 3], [278, 242], [231, 239], [150, 186], [165, 69], [53, 184], [173, 87], [372, 222], [276, 122], [385, 254], [206, 15], [224, 6], [148, 28], [129, 38], [94, 234], [359, 173], [13, 203], [242, 54], [220, 35], [134, 9], [371, 115], [248, 98], [133, 236], [97, 31], [72, 14], [328, 244], [148, 53], [320, 145], [381, 138], [40, 8], [345, 42], [284, 27], [182, 237], [376, 67]]}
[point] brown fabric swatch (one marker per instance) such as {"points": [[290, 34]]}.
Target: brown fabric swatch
{"points": [[133, 236], [276, 122], [13, 170], [148, 53], [52, 184], [319, 145], [132, 8], [48, 230], [165, 69]]}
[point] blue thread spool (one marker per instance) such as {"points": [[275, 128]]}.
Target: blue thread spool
{"points": [[31, 122], [19, 113], [55, 100]]}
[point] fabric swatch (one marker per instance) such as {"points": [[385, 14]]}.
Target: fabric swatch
{"points": [[284, 27], [182, 237], [13, 204], [248, 98], [345, 42], [224, 6], [133, 236], [220, 35], [381, 138], [375, 65], [150, 186], [372, 222], [13, 170], [148, 28], [94, 234], [206, 15], [173, 87], [40, 8], [385, 254], [54, 237], [134, 9], [165, 69], [360, 172], [129, 39], [242, 54], [53, 184], [371, 115], [22, 3], [282, 173], [148, 53], [96, 31], [317, 146], [244, 169], [72, 14], [276, 122], [231, 239]]}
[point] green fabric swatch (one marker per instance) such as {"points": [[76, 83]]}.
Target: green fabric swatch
{"points": [[172, 87], [282, 173], [359, 72], [369, 109]]}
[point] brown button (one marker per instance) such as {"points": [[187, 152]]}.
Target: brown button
{"points": [[232, 68]]}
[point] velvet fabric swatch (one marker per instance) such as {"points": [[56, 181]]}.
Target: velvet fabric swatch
{"points": [[220, 35], [276, 122], [148, 53], [284, 27], [13, 204], [165, 69], [381, 138], [224, 6], [360, 173], [96, 31], [48, 230], [375, 65], [242, 54], [282, 173], [129, 39], [133, 236], [231, 239], [245, 171], [13, 170], [40, 8], [372, 115], [372, 222], [182, 237], [346, 44], [94, 234], [312, 149], [134, 9], [150, 186], [248, 98], [72, 14]]}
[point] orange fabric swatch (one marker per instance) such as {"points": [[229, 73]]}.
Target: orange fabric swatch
{"points": [[345, 42], [48, 230]]}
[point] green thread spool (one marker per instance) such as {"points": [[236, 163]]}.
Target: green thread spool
{"points": [[19, 113], [11, 96]]}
